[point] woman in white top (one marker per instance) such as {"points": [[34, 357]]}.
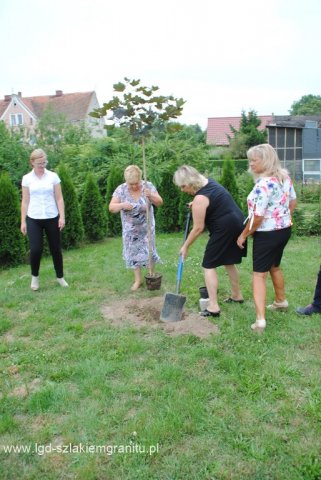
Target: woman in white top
{"points": [[42, 209], [270, 206]]}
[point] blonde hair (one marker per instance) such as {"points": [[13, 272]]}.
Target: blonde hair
{"points": [[270, 162], [36, 154], [132, 174], [189, 176]]}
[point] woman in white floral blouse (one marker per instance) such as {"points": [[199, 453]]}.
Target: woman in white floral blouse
{"points": [[270, 206]]}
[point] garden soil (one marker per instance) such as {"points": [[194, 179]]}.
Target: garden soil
{"points": [[142, 312]]}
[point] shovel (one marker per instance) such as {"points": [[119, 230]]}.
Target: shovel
{"points": [[172, 310]]}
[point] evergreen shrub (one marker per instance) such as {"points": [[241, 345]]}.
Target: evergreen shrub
{"points": [[115, 178], [167, 215], [73, 233], [93, 210], [12, 245], [228, 179], [245, 183]]}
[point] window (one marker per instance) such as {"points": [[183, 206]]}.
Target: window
{"points": [[16, 119], [280, 138], [312, 165], [311, 170], [32, 140], [281, 153], [272, 136], [289, 154], [290, 132]]}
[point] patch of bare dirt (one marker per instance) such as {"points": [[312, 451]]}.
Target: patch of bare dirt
{"points": [[142, 312], [24, 390], [20, 392], [8, 337], [13, 370]]}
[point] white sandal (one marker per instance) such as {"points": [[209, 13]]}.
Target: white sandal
{"points": [[278, 306], [34, 283], [259, 325]]}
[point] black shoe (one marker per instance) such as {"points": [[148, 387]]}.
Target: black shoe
{"points": [[231, 300], [207, 313], [309, 310]]}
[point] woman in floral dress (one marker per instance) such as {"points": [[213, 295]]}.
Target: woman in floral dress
{"points": [[270, 206], [131, 199]]}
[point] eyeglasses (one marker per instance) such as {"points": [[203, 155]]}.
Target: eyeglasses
{"points": [[40, 164]]}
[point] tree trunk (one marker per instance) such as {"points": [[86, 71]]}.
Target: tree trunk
{"points": [[148, 206]]}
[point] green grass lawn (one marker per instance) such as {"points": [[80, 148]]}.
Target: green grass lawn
{"points": [[235, 405]]}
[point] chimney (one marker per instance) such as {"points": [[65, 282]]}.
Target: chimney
{"points": [[7, 98], [58, 93], [19, 94]]}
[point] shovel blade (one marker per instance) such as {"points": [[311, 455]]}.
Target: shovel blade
{"points": [[172, 310]]}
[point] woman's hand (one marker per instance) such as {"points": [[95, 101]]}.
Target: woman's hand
{"points": [[184, 252], [23, 228], [61, 223], [148, 194], [240, 241], [127, 206], [153, 197]]}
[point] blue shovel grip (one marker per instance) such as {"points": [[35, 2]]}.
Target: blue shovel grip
{"points": [[179, 273]]}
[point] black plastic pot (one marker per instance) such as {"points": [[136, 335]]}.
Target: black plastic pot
{"points": [[203, 292]]}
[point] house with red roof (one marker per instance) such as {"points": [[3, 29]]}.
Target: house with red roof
{"points": [[19, 111], [219, 128]]}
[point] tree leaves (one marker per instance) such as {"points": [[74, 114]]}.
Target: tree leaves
{"points": [[119, 87], [307, 105], [138, 108], [248, 134]]}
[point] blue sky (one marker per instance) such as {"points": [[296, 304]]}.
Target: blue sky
{"points": [[220, 56]]}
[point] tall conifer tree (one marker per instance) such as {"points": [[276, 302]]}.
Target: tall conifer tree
{"points": [[73, 233], [167, 216], [12, 244], [93, 210], [228, 179], [115, 178]]}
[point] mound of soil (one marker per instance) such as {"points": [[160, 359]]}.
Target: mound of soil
{"points": [[142, 312]]}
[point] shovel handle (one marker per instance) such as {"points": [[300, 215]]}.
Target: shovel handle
{"points": [[179, 274], [181, 259], [188, 221]]}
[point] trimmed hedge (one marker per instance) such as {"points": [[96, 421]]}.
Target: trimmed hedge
{"points": [[228, 180], [115, 178], [73, 233], [93, 211], [167, 216], [12, 245]]}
